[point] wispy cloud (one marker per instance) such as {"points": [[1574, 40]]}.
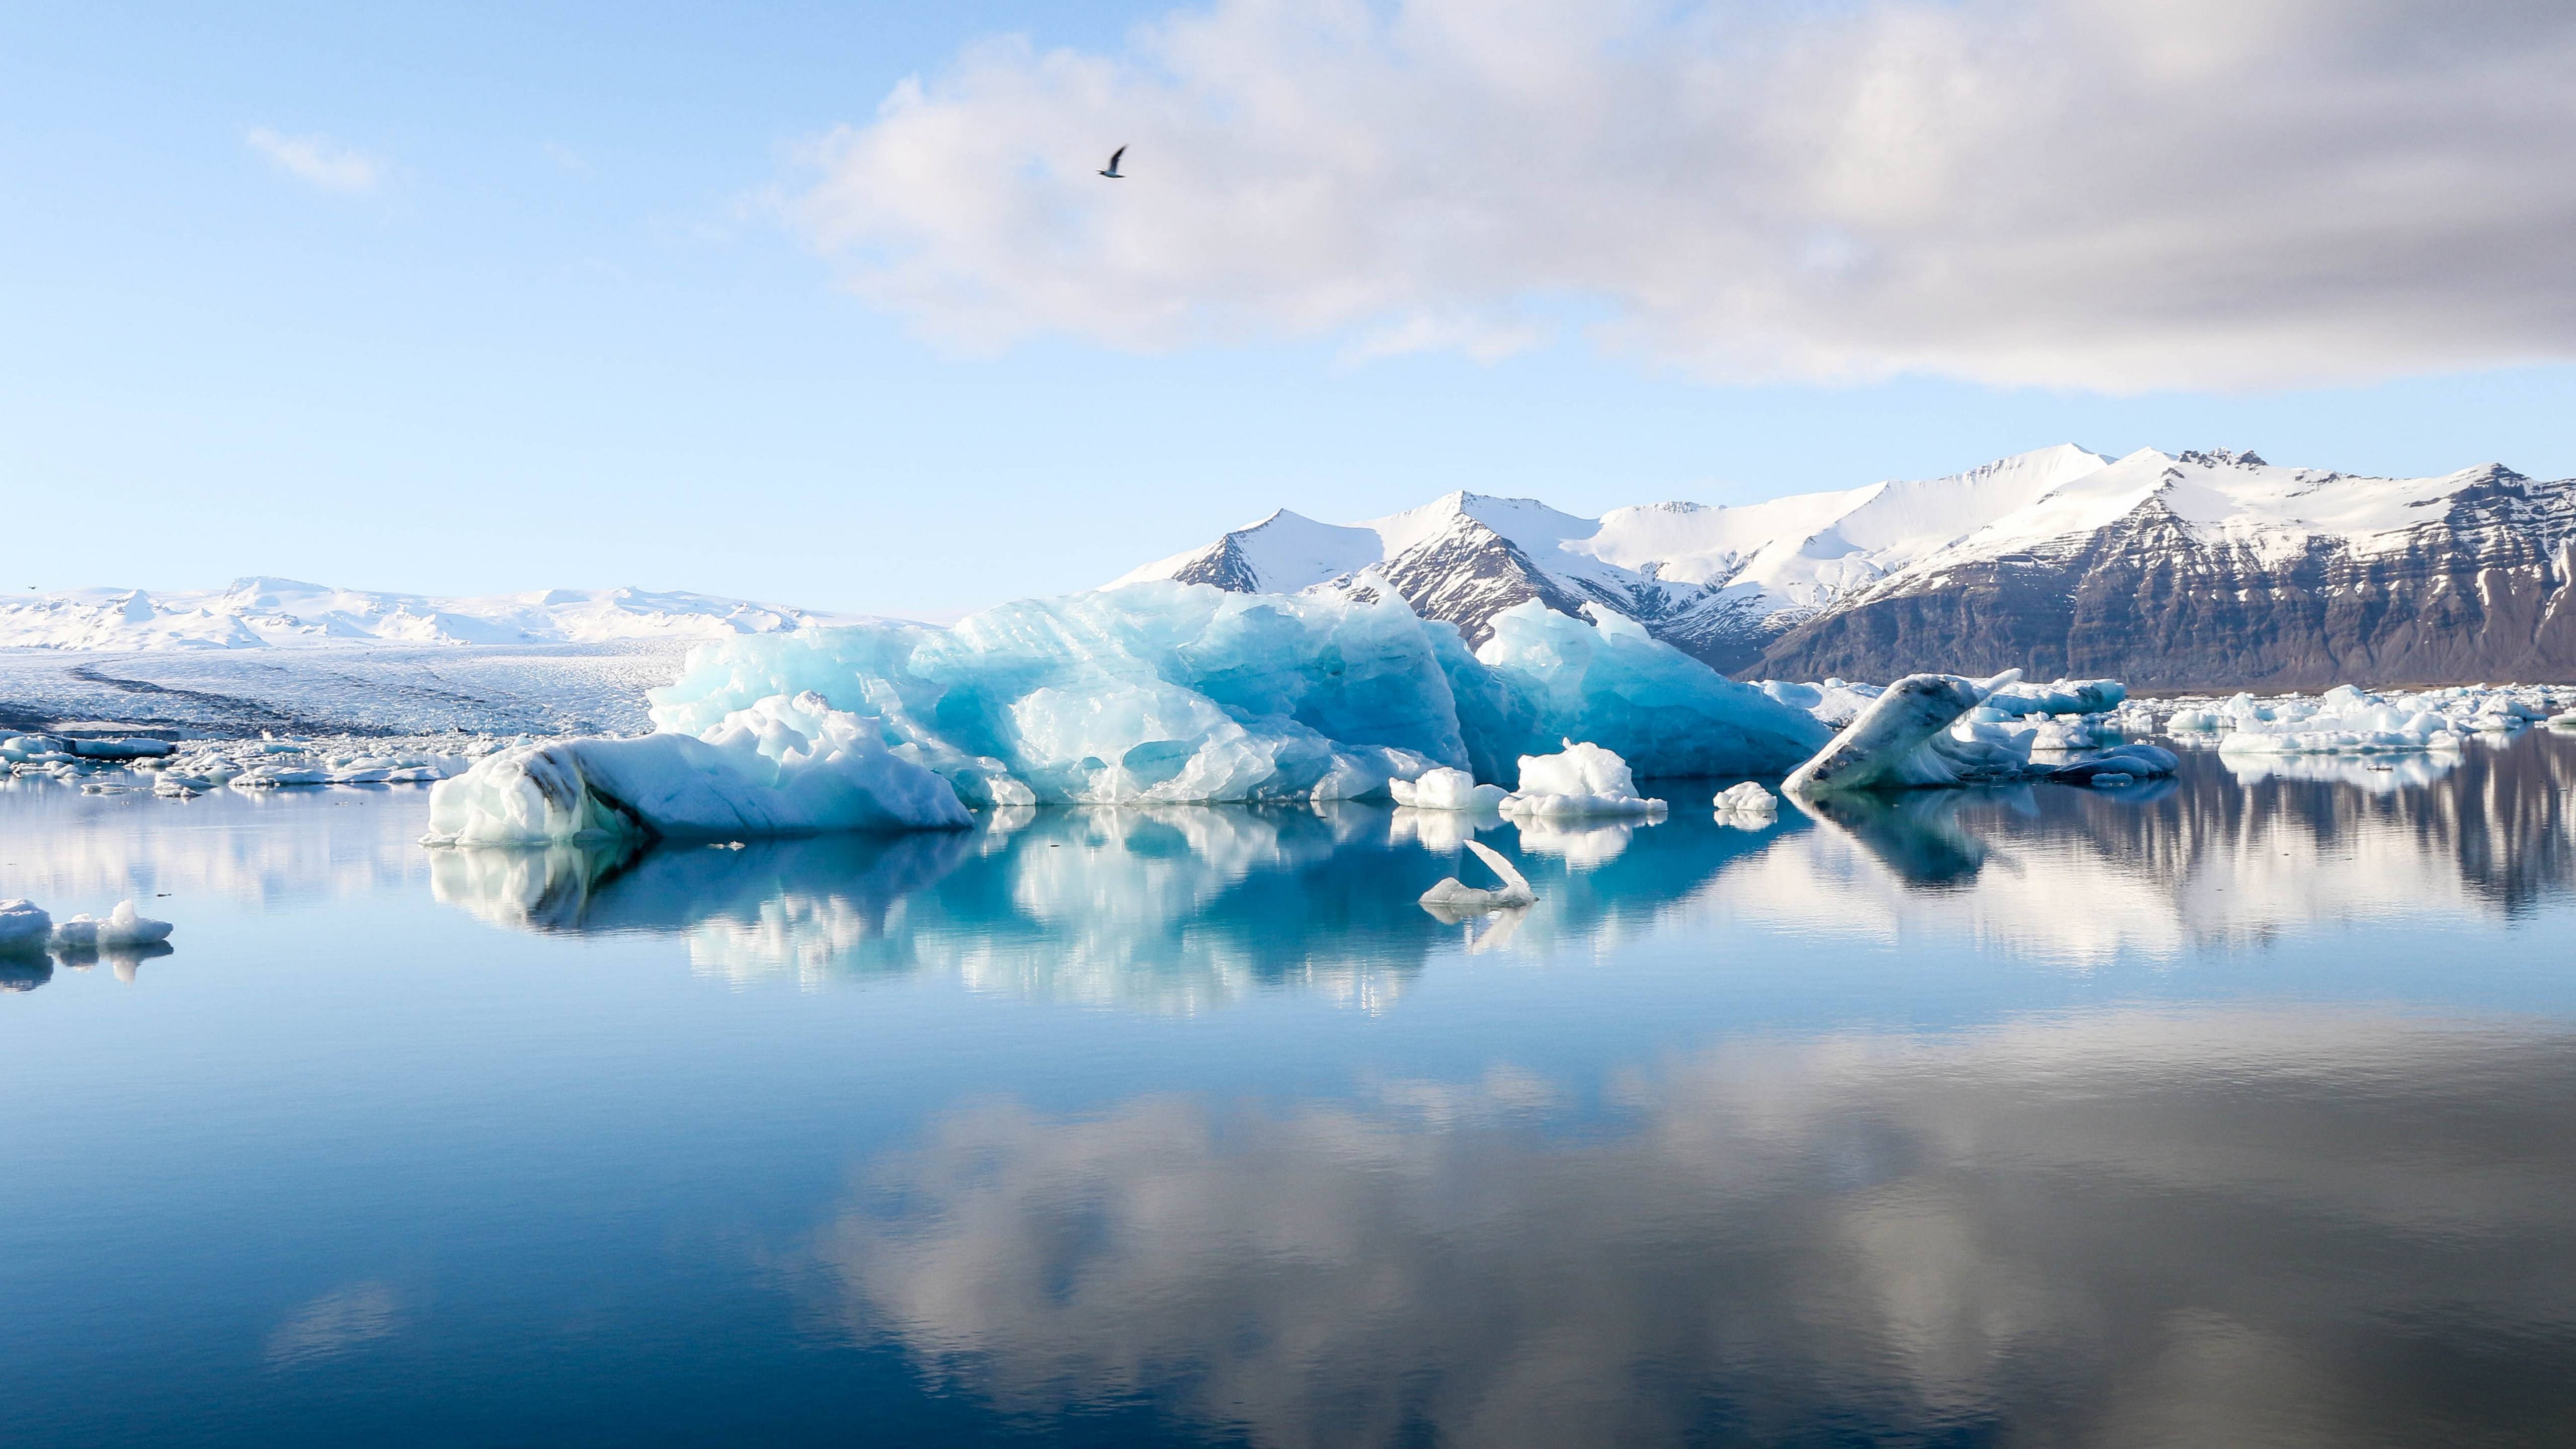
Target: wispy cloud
{"points": [[318, 160], [2089, 193]]}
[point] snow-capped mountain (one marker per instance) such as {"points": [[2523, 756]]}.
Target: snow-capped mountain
{"points": [[262, 613], [2198, 568]]}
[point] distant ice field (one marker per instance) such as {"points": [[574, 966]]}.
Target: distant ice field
{"points": [[362, 689]]}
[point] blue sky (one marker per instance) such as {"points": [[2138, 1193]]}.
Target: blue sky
{"points": [[549, 304]]}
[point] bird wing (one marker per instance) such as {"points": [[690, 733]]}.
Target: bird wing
{"points": [[1114, 155]]}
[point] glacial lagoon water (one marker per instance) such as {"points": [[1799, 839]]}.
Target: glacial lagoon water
{"points": [[2238, 1109]]}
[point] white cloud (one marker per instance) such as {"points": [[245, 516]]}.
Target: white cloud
{"points": [[318, 159], [2113, 194]]}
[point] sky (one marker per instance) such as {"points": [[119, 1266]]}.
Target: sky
{"points": [[824, 305]]}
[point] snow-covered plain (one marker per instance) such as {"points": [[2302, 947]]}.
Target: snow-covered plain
{"points": [[263, 613], [543, 689]]}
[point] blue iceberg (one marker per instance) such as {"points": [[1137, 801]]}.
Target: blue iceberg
{"points": [[1174, 693], [1158, 693]]}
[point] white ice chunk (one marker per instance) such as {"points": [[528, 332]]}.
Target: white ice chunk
{"points": [[1905, 739], [2131, 762], [124, 929], [781, 767], [1452, 895], [2062, 696], [1747, 801], [24, 927], [1583, 779], [1446, 789]]}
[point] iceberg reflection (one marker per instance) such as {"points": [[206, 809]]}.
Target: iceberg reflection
{"points": [[2120, 1229], [1169, 908], [1175, 908]]}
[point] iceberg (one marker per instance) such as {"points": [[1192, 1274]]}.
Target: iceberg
{"points": [[1544, 677], [1170, 693], [1932, 730], [1583, 780], [1453, 896], [24, 927], [779, 767], [2120, 764], [1904, 740]]}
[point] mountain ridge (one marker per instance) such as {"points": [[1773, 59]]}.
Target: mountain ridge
{"points": [[2191, 569]]}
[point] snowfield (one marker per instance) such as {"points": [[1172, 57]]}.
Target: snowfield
{"points": [[261, 613], [371, 689]]}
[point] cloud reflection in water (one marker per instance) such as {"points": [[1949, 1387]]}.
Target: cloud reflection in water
{"points": [[2213, 1226]]}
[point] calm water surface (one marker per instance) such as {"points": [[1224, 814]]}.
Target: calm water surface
{"points": [[2230, 1110]]}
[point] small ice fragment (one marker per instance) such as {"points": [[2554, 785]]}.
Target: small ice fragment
{"points": [[1748, 798], [1446, 789], [1453, 895]]}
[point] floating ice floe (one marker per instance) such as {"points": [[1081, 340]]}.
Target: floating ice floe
{"points": [[1582, 780], [1446, 789], [2122, 764], [24, 927], [123, 929], [1747, 805], [1453, 896], [2350, 720], [780, 767], [2058, 697], [1905, 740]]}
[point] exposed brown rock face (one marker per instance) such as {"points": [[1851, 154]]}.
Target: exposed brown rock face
{"points": [[2480, 593]]}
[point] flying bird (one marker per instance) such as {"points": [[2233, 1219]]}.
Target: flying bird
{"points": [[1111, 170]]}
